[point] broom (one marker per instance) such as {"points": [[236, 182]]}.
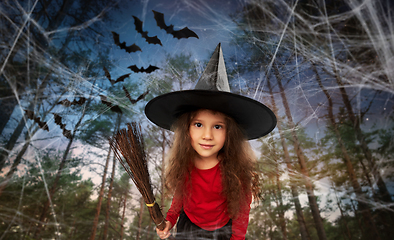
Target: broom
{"points": [[130, 144]]}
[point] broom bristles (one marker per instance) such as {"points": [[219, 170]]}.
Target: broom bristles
{"points": [[128, 147]]}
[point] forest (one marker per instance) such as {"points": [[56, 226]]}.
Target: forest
{"points": [[74, 72]]}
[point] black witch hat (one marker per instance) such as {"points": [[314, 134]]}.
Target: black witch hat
{"points": [[212, 91]]}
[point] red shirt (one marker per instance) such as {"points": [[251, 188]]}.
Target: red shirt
{"points": [[206, 207]]}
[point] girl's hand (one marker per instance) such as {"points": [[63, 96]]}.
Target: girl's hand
{"points": [[166, 232]]}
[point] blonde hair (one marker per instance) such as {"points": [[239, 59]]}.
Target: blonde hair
{"points": [[238, 163]]}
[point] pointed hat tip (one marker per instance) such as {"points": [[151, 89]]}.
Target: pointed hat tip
{"points": [[214, 77]]}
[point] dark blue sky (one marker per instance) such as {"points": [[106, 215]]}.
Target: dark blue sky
{"points": [[211, 21], [208, 19]]}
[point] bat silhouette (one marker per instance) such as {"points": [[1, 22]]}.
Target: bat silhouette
{"points": [[67, 103], [129, 49], [134, 101], [114, 108], [135, 69], [30, 115], [138, 26], [119, 79], [58, 121], [183, 33]]}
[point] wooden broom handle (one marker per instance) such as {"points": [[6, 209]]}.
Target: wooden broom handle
{"points": [[158, 217]]}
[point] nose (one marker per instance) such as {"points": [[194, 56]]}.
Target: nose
{"points": [[207, 134]]}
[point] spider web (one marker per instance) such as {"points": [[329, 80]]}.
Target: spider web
{"points": [[349, 49]]}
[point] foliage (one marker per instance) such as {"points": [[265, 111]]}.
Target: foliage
{"points": [[63, 49], [72, 201]]}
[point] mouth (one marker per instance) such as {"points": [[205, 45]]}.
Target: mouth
{"points": [[206, 146]]}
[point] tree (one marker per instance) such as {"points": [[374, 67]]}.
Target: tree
{"points": [[107, 210], [295, 196], [274, 189], [40, 34], [304, 170], [363, 208], [29, 192], [123, 189], [251, 22], [71, 137]]}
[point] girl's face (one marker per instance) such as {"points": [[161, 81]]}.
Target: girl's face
{"points": [[207, 134]]}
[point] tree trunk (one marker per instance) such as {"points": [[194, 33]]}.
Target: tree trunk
{"points": [[8, 104], [17, 161], [11, 143], [347, 232], [100, 197], [282, 219], [21, 125], [11, 103], [363, 208], [140, 219], [123, 216], [150, 235], [301, 160], [300, 215], [357, 216], [384, 193], [59, 171], [53, 190], [108, 208]]}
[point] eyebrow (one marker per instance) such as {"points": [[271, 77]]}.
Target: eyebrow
{"points": [[200, 120]]}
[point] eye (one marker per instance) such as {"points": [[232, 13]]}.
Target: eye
{"points": [[218, 126], [197, 124]]}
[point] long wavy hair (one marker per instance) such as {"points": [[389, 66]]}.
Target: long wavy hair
{"points": [[238, 164]]}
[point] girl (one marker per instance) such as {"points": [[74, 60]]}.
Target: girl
{"points": [[211, 169]]}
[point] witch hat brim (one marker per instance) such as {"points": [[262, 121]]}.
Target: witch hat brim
{"points": [[212, 92]]}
